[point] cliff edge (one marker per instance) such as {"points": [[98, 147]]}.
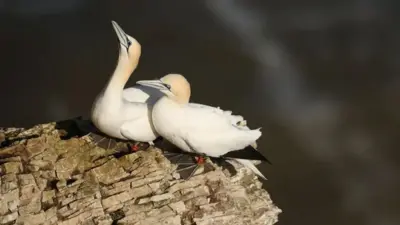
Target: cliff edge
{"points": [[48, 177]]}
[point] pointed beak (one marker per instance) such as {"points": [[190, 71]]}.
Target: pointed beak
{"points": [[157, 84], [123, 39]]}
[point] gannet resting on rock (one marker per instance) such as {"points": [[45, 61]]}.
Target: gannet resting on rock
{"points": [[125, 114], [200, 129], [151, 95]]}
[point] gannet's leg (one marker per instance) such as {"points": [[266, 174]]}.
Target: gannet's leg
{"points": [[200, 160], [135, 147], [141, 146]]}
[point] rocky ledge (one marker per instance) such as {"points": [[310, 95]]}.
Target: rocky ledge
{"points": [[49, 179]]}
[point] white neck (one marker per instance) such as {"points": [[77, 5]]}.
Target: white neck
{"points": [[119, 78]]}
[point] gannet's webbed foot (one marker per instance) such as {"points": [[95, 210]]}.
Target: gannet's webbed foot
{"points": [[188, 165], [179, 158], [103, 141]]}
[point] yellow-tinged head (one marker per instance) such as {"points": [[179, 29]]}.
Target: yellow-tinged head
{"points": [[175, 86]]}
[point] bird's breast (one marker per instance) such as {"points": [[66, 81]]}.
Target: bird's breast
{"points": [[166, 118]]}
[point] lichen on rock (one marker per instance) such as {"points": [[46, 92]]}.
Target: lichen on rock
{"points": [[47, 179]]}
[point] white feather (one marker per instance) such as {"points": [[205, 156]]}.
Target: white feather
{"points": [[249, 164], [200, 129]]}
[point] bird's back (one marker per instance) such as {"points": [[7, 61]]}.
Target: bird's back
{"points": [[212, 132]]}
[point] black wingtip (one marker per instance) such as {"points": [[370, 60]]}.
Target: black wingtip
{"points": [[249, 153], [158, 142]]}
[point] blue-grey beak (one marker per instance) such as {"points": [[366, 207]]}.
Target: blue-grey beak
{"points": [[157, 84], [122, 37]]}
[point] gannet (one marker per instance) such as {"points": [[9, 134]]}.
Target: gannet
{"points": [[125, 114], [199, 129]]}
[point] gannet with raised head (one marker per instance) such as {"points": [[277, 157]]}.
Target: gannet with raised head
{"points": [[125, 114], [200, 129]]}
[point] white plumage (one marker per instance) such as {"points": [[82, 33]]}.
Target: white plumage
{"points": [[119, 113], [198, 128]]}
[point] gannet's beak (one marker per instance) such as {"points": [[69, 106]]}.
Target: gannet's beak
{"points": [[122, 37], [157, 84]]}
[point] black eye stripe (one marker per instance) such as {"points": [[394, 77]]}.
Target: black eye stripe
{"points": [[167, 86]]}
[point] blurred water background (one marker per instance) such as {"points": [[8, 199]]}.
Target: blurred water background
{"points": [[321, 78]]}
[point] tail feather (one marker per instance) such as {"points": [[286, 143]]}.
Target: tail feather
{"points": [[248, 152], [251, 166]]}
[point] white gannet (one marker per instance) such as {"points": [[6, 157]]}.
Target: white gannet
{"points": [[125, 114], [199, 129]]}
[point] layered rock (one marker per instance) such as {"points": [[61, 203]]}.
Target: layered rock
{"points": [[48, 180]]}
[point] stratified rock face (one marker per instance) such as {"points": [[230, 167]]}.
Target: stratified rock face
{"points": [[46, 180]]}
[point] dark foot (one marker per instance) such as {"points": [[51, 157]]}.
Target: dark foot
{"points": [[103, 141], [187, 164]]}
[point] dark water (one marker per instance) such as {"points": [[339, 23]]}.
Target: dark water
{"points": [[320, 77]]}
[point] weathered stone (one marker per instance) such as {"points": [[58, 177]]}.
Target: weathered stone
{"points": [[13, 205], [9, 201], [3, 207], [48, 196], [65, 167], [161, 213], [194, 192], [132, 219], [41, 164], [110, 172], [35, 146], [116, 199], [103, 220], [155, 187], [9, 182], [116, 188], [156, 198], [198, 201], [40, 182], [146, 180], [178, 207], [8, 218], [51, 215], [12, 167], [32, 219], [128, 162], [27, 193], [48, 174], [15, 150], [132, 208], [31, 206], [26, 179], [10, 159], [184, 185], [140, 191], [74, 182]]}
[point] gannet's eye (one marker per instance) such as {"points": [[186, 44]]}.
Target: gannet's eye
{"points": [[129, 42]]}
